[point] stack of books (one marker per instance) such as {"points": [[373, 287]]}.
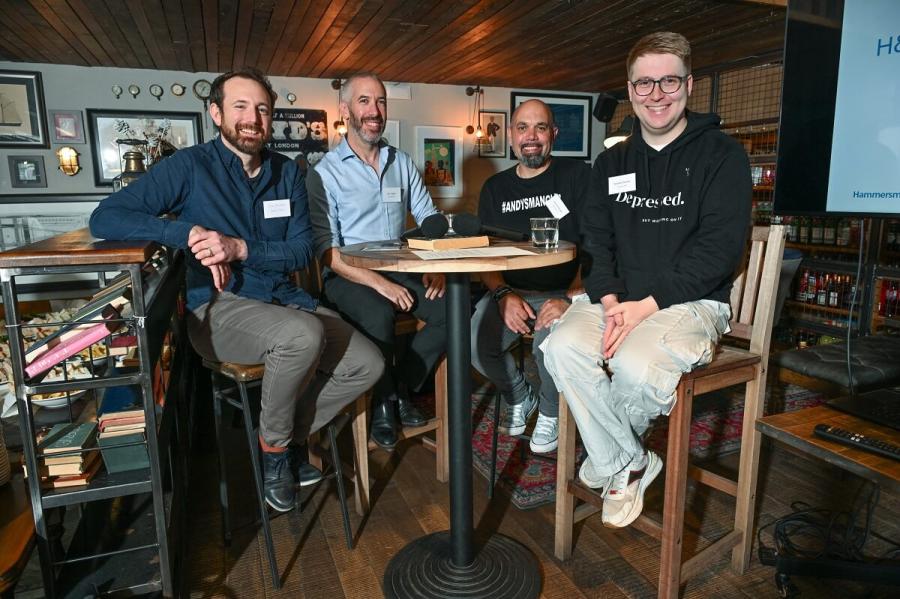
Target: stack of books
{"points": [[122, 431], [68, 460]]}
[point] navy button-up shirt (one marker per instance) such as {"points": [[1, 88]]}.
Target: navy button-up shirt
{"points": [[206, 185]]}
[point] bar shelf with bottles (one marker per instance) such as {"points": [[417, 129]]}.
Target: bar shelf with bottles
{"points": [[886, 305], [828, 237]]}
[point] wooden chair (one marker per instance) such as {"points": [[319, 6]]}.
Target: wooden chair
{"points": [[753, 306], [311, 279]]}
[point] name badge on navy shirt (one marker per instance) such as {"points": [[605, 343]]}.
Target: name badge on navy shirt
{"points": [[276, 208], [622, 183], [392, 195]]}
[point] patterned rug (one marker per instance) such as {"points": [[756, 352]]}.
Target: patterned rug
{"points": [[530, 480]]}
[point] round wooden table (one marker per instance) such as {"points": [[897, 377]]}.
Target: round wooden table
{"points": [[446, 564]]}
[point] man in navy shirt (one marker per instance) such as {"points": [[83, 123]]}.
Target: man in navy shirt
{"points": [[242, 213]]}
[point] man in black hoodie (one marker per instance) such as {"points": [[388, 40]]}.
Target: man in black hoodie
{"points": [[665, 225]]}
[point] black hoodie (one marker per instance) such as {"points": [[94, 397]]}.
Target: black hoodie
{"points": [[679, 234]]}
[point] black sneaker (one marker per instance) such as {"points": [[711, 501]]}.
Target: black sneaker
{"points": [[306, 473], [278, 480]]}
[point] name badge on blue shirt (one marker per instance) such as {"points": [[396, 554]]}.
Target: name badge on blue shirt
{"points": [[392, 195], [276, 208]]}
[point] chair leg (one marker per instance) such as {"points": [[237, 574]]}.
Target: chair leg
{"points": [[223, 474], [494, 433], [676, 489], [314, 458], [256, 462], [748, 471], [441, 433], [339, 481], [360, 456], [565, 471]]}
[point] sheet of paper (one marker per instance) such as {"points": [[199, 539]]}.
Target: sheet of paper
{"points": [[488, 252]]}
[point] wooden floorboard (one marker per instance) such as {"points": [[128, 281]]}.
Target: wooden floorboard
{"points": [[407, 502]]}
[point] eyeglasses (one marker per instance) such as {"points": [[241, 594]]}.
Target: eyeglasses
{"points": [[667, 85]]}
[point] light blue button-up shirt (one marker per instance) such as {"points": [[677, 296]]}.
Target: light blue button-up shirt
{"points": [[350, 203]]}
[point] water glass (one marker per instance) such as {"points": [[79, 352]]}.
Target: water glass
{"points": [[545, 233]]}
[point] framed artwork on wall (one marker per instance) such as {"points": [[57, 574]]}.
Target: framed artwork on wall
{"points": [[66, 127], [391, 133], [439, 152], [163, 132], [27, 171], [572, 114], [493, 124], [22, 121]]}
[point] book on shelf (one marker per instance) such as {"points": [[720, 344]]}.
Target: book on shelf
{"points": [[73, 345], [73, 480], [119, 399], [124, 452], [125, 430], [121, 345], [448, 243], [68, 436], [118, 424], [83, 465]]}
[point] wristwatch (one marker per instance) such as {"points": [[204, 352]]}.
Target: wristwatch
{"points": [[501, 291]]}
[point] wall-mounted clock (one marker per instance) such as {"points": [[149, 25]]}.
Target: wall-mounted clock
{"points": [[156, 91], [177, 89], [134, 90], [117, 91], [202, 87]]}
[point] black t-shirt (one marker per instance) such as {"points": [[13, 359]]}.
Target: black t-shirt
{"points": [[510, 201]]}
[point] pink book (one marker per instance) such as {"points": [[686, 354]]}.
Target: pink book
{"points": [[70, 347]]}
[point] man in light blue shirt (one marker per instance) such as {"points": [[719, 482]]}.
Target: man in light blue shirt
{"points": [[361, 191]]}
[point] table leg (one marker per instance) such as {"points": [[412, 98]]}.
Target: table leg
{"points": [[449, 564]]}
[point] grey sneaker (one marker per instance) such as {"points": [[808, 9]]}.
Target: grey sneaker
{"points": [[515, 417], [591, 478], [545, 435]]}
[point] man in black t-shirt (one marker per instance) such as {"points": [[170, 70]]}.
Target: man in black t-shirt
{"points": [[524, 301]]}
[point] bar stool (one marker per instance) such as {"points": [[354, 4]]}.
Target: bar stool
{"points": [[244, 376]]}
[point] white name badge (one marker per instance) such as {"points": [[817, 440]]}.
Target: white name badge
{"points": [[622, 183], [557, 208], [392, 195], [276, 208]]}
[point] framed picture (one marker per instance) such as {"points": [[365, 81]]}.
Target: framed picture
{"points": [[66, 127], [301, 131], [22, 123], [572, 114], [27, 171], [391, 133], [493, 124], [439, 152], [164, 132]]}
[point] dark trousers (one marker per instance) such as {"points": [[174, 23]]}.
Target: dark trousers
{"points": [[374, 316]]}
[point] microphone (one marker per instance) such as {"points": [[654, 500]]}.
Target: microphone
{"points": [[433, 226], [468, 225]]}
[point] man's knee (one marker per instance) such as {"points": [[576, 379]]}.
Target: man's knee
{"points": [[297, 337], [562, 346]]}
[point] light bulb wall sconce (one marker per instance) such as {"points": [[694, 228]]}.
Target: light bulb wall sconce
{"points": [[68, 160], [339, 125], [477, 107]]}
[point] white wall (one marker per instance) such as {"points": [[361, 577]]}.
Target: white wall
{"points": [[79, 88]]}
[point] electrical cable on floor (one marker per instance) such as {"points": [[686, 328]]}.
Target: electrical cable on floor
{"points": [[854, 291]]}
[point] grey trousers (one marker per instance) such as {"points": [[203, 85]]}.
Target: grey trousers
{"points": [[613, 404], [491, 340], [315, 362]]}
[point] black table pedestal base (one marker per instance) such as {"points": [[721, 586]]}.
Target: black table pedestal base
{"points": [[423, 569]]}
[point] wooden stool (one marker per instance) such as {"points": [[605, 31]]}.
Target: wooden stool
{"points": [[244, 377], [753, 308]]}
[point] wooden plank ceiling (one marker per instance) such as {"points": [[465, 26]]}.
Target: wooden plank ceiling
{"points": [[547, 44]]}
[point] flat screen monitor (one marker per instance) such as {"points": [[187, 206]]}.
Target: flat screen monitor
{"points": [[839, 138]]}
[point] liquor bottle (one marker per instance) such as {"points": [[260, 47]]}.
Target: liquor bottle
{"points": [[811, 287], [829, 233], [843, 233], [803, 230], [792, 228], [833, 297], [800, 295], [822, 290], [816, 233]]}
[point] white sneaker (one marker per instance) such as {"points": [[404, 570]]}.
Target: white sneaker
{"points": [[515, 417], [545, 435], [624, 500], [590, 478]]}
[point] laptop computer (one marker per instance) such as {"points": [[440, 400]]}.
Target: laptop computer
{"points": [[881, 406]]}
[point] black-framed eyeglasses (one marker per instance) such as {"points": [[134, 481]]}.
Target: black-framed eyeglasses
{"points": [[667, 85]]}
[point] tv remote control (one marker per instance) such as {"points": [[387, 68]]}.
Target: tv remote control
{"points": [[860, 441]]}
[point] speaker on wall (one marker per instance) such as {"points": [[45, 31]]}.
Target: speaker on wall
{"points": [[605, 107]]}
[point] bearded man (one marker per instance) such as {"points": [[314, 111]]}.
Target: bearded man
{"points": [[362, 191], [241, 215]]}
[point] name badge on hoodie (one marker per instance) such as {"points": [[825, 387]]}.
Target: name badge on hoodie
{"points": [[276, 208], [622, 183]]}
